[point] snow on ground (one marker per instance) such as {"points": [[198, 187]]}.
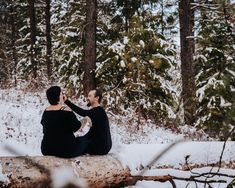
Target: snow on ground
{"points": [[137, 156], [20, 124], [21, 130], [20, 119]]}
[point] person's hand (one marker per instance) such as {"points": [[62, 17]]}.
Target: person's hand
{"points": [[86, 121], [85, 125], [64, 97]]}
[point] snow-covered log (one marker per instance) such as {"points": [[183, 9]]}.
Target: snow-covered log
{"points": [[39, 171]]}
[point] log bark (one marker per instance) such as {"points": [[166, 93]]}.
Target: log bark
{"points": [[98, 171]]}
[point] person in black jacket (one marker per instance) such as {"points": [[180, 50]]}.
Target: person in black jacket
{"points": [[59, 124], [98, 138]]}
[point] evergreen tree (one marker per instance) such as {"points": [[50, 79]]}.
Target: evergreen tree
{"points": [[68, 23], [163, 19], [30, 49], [215, 65], [7, 42], [134, 66]]}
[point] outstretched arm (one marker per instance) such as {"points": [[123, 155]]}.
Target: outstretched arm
{"points": [[77, 109]]}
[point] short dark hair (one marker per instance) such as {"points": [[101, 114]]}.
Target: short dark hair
{"points": [[53, 95], [98, 93]]}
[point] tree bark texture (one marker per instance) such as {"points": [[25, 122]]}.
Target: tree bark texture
{"points": [[90, 46], [98, 171], [48, 38], [32, 36], [187, 68], [13, 41]]}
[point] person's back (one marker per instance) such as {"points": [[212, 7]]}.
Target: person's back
{"points": [[101, 142], [58, 138], [59, 123]]}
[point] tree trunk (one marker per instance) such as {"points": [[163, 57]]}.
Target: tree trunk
{"points": [[48, 39], [13, 41], [98, 171], [90, 46], [187, 68], [5, 63], [162, 16], [126, 15], [32, 37]]}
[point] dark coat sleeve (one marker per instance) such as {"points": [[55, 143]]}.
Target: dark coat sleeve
{"points": [[77, 109], [74, 122]]}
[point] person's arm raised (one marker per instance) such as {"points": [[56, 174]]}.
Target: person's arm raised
{"points": [[77, 109]]}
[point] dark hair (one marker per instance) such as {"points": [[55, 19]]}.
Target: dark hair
{"points": [[98, 93], [53, 95]]}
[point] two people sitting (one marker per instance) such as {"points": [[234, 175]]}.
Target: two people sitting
{"points": [[60, 123]]}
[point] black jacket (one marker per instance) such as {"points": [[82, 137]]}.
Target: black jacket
{"points": [[99, 134], [58, 138]]}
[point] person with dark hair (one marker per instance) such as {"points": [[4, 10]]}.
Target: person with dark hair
{"points": [[59, 124], [98, 138]]}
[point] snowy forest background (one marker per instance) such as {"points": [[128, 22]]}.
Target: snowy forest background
{"points": [[167, 69], [132, 50]]}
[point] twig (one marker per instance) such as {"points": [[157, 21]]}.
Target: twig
{"points": [[171, 179], [156, 158]]}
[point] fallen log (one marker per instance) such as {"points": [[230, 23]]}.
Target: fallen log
{"points": [[97, 171], [36, 172]]}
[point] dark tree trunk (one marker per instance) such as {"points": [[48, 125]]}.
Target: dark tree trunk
{"points": [[4, 25], [126, 15], [5, 63], [13, 41], [48, 39], [187, 68], [32, 37], [90, 46], [162, 17]]}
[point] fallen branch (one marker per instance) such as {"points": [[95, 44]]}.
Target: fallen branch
{"points": [[165, 178]]}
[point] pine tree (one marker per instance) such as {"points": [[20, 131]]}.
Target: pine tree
{"points": [[30, 48], [68, 22], [215, 63], [131, 66], [134, 67], [8, 56]]}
